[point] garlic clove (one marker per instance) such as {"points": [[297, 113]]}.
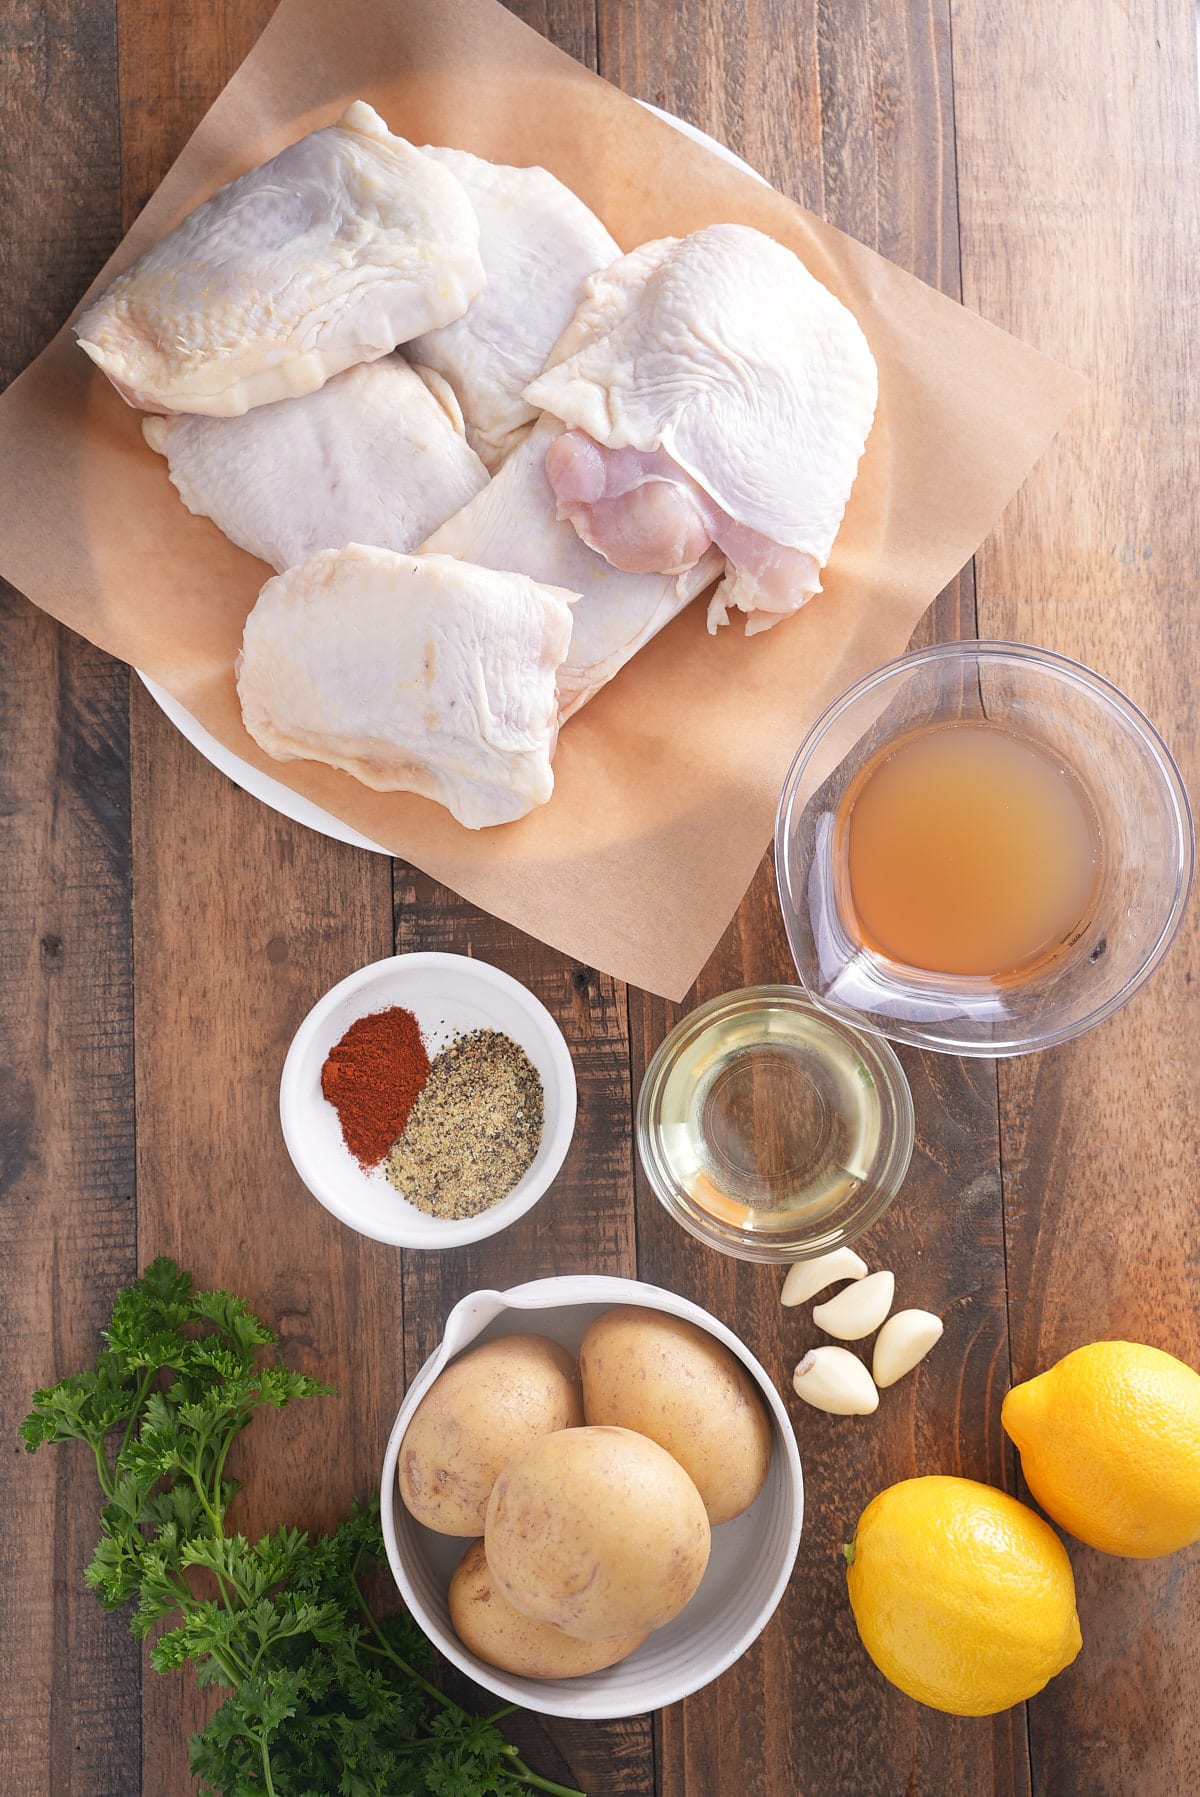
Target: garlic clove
{"points": [[904, 1340], [857, 1309], [835, 1380], [808, 1277]]}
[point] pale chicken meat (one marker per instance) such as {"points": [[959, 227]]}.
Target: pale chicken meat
{"points": [[377, 455], [413, 673], [513, 523], [715, 393], [345, 244], [538, 242]]}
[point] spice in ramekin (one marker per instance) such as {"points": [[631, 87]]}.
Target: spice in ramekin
{"points": [[372, 1077], [473, 1130]]}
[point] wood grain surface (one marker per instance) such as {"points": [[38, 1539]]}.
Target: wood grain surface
{"points": [[67, 1214], [1080, 229], [161, 934]]}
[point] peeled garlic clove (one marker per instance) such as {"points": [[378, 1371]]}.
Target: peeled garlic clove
{"points": [[808, 1277], [858, 1309], [835, 1380], [904, 1340]]}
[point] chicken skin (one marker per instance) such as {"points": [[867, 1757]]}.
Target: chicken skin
{"points": [[512, 523], [413, 673], [347, 243], [714, 393], [374, 456], [538, 242]]}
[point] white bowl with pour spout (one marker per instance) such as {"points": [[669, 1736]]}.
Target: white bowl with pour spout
{"points": [[752, 1555]]}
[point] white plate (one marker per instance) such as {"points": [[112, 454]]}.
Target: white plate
{"points": [[261, 786], [273, 792], [448, 995], [752, 1555]]}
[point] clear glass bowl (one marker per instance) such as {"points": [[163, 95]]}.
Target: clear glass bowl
{"points": [[771, 1130], [1147, 849]]}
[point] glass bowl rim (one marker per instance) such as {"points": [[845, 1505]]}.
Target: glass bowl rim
{"points": [[898, 1137], [1095, 686]]}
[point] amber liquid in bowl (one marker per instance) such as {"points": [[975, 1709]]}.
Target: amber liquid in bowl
{"points": [[967, 850]]}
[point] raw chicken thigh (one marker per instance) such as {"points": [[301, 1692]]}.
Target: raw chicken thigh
{"points": [[538, 243], [512, 524], [717, 393], [413, 673], [371, 457], [347, 243]]}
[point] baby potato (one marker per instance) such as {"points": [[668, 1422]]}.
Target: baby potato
{"points": [[489, 1626], [476, 1414], [676, 1383], [598, 1532]]}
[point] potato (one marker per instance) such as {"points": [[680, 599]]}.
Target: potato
{"points": [[598, 1532], [677, 1384], [476, 1414], [491, 1628]]}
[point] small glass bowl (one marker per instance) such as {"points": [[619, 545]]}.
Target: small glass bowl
{"points": [[1145, 833], [771, 1130]]}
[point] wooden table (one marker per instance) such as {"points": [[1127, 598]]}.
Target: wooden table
{"points": [[162, 934]]}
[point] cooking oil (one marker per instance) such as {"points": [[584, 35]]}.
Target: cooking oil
{"points": [[769, 1118]]}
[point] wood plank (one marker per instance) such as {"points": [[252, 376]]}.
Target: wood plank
{"points": [[243, 921], [867, 91], [571, 24], [1080, 203], [67, 1227], [721, 69], [174, 62], [829, 1716], [70, 1711], [586, 1222], [57, 75], [209, 988], [583, 1225]]}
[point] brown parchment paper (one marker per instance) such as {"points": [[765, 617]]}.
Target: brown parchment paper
{"points": [[666, 783]]}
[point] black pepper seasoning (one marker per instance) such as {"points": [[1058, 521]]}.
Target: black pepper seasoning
{"points": [[474, 1130]]}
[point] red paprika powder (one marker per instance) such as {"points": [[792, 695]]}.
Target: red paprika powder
{"points": [[372, 1078]]}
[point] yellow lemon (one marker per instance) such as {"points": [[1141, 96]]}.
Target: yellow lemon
{"points": [[1110, 1447], [963, 1596]]}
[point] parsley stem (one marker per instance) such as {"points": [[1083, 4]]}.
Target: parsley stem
{"points": [[147, 1380], [218, 1532], [537, 1783], [219, 1470], [102, 1472], [202, 1494], [386, 1646], [533, 1780], [266, 1764], [518, 1765], [232, 1665]]}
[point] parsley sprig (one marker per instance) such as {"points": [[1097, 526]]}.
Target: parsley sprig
{"points": [[327, 1700]]}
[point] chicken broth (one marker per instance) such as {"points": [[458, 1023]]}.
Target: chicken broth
{"points": [[967, 850]]}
